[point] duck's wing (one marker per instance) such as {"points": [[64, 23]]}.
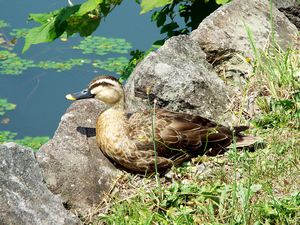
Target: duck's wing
{"points": [[194, 134]]}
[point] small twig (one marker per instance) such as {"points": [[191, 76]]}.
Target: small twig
{"points": [[70, 3], [152, 113], [154, 143]]}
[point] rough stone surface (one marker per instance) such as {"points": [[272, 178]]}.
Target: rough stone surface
{"points": [[178, 76], [73, 165], [24, 198], [225, 29], [291, 9], [285, 3], [293, 14], [223, 35]]}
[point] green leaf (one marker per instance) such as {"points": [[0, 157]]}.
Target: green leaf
{"points": [[161, 19], [84, 25], [88, 6], [44, 33], [148, 5], [43, 17], [169, 27], [136, 57], [82, 19], [222, 2], [53, 25], [158, 43]]}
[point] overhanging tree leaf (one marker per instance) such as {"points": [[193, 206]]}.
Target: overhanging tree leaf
{"points": [[43, 17], [88, 6], [84, 25], [148, 5], [65, 14], [222, 2], [53, 25], [43, 33], [82, 19]]}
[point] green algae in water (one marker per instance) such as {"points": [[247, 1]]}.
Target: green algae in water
{"points": [[5, 106], [63, 66], [3, 24], [112, 64], [103, 45], [7, 136], [32, 142], [11, 64]]}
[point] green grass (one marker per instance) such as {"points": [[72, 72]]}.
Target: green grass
{"points": [[239, 187], [260, 187]]}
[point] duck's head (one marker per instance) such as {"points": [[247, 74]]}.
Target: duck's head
{"points": [[105, 88]]}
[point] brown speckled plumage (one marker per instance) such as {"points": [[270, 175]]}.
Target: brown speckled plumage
{"points": [[129, 142]]}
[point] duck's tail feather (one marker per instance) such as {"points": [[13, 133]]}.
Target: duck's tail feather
{"points": [[244, 140]]}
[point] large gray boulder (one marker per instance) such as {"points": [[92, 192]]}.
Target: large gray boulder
{"points": [[178, 76], [24, 198], [225, 38], [73, 165], [226, 28]]}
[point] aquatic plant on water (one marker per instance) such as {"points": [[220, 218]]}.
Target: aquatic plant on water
{"points": [[11, 64], [5, 106], [64, 65], [112, 64]]}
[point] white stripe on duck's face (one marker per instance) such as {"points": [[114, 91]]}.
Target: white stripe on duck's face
{"points": [[107, 90]]}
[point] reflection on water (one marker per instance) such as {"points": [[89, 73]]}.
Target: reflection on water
{"points": [[38, 93]]}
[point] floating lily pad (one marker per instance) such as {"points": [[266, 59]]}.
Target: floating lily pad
{"points": [[11, 64], [102, 45], [2, 40], [62, 66], [112, 64], [32, 142], [7, 136], [3, 24], [5, 106]]}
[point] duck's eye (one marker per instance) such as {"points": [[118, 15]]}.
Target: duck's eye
{"points": [[84, 91]]}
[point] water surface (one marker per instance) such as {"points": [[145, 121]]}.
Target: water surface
{"points": [[38, 93]]}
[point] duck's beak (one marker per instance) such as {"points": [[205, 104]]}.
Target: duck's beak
{"points": [[80, 95]]}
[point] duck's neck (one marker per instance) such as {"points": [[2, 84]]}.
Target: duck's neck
{"points": [[119, 106], [112, 123]]}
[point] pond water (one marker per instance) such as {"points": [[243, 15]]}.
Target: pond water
{"points": [[39, 93]]}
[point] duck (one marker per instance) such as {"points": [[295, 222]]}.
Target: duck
{"points": [[155, 139]]}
